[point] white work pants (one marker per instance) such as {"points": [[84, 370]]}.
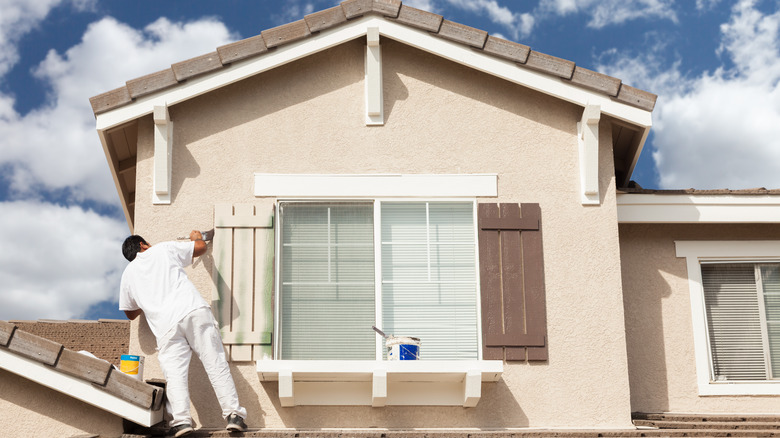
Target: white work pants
{"points": [[196, 332]]}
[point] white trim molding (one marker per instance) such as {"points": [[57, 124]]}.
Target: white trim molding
{"points": [[373, 80], [588, 141], [380, 383], [665, 208], [374, 186], [77, 388], [163, 145], [696, 252]]}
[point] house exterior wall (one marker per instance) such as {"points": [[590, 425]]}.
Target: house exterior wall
{"points": [[36, 411], [659, 327], [440, 118]]}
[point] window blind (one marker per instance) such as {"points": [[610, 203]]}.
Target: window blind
{"points": [[327, 281], [429, 276], [734, 321], [770, 283]]}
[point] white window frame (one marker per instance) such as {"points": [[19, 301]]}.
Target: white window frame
{"points": [[377, 204], [695, 253]]}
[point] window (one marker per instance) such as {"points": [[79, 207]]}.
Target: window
{"points": [[735, 302], [742, 302], [407, 267]]}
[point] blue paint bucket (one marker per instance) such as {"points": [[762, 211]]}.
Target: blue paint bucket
{"points": [[402, 348]]}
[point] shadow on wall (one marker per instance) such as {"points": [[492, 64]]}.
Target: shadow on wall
{"points": [[30, 409], [496, 409]]}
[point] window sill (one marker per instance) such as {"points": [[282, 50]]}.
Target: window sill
{"points": [[733, 388], [380, 383]]}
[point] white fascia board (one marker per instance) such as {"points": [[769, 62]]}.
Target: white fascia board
{"points": [[650, 208], [375, 186], [420, 39], [77, 388]]}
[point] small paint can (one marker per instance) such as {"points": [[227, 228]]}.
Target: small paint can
{"points": [[132, 365], [402, 348]]}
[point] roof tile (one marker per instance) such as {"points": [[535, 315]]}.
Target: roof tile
{"points": [[84, 367], [241, 49], [550, 64], [596, 81], [357, 8], [325, 19], [152, 82], [636, 97], [420, 19], [463, 34], [507, 49], [195, 66], [35, 347], [285, 33], [129, 388], [6, 332], [110, 100]]}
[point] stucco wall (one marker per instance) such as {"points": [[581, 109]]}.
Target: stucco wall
{"points": [[308, 117], [32, 410], [659, 329]]}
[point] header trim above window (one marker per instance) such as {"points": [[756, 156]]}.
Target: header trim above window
{"points": [[373, 186]]}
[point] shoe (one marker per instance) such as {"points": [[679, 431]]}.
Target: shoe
{"points": [[235, 423], [181, 430]]}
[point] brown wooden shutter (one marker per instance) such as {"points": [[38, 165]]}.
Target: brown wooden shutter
{"points": [[514, 319]]}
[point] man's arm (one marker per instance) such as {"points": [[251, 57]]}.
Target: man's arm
{"points": [[200, 244], [132, 314]]}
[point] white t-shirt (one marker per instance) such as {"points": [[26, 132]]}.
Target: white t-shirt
{"points": [[156, 283]]}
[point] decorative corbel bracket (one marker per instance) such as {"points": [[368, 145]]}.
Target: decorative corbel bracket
{"points": [[588, 141], [374, 103], [163, 143]]}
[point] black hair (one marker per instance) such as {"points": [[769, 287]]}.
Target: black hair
{"points": [[132, 247]]}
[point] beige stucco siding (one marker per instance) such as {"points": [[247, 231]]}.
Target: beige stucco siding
{"points": [[659, 326], [33, 410], [440, 118]]}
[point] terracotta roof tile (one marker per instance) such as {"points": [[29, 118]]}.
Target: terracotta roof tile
{"points": [[478, 39], [196, 66], [106, 339], [357, 8], [242, 49], [325, 19], [151, 83], [285, 33], [550, 64], [507, 49], [420, 19]]}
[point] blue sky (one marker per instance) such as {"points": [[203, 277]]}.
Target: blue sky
{"points": [[715, 65]]}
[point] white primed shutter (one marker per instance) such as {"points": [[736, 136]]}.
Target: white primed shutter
{"points": [[429, 276], [734, 321], [243, 248]]}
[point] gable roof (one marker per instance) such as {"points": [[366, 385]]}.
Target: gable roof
{"points": [[314, 23], [628, 109], [91, 380]]}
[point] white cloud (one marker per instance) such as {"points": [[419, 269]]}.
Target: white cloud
{"points": [[57, 261], [519, 24], [719, 129], [55, 146], [607, 12]]}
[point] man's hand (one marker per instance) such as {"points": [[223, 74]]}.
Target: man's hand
{"points": [[200, 244]]}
